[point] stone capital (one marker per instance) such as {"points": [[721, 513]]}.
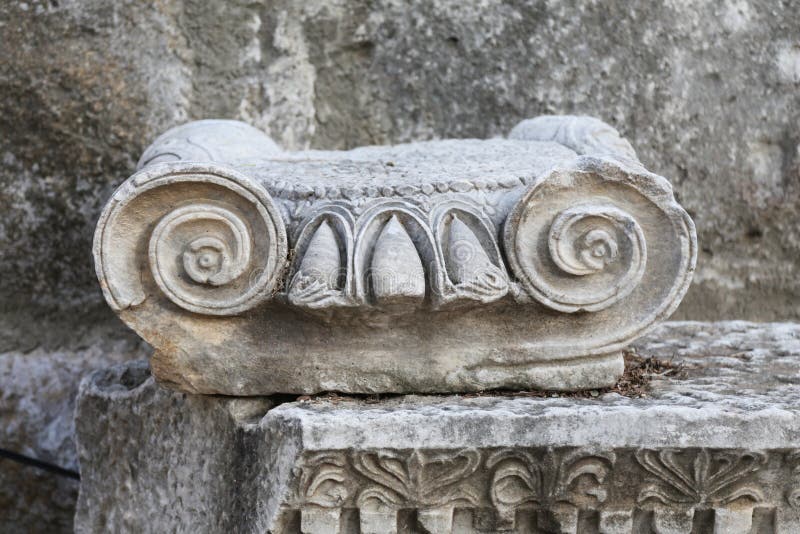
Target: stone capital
{"points": [[453, 265]]}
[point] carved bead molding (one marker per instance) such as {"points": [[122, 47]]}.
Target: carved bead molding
{"points": [[483, 263], [569, 490]]}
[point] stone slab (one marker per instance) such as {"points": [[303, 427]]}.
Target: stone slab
{"points": [[715, 449]]}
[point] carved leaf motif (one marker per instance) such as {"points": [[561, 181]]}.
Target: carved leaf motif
{"points": [[708, 478], [325, 481], [469, 267], [517, 479], [421, 479], [315, 284], [595, 468], [521, 478]]}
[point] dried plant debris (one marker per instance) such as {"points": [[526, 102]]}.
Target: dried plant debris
{"points": [[634, 383], [640, 370]]}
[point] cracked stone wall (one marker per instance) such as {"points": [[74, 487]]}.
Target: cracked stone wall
{"points": [[708, 93]]}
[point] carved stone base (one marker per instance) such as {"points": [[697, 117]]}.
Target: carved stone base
{"points": [[715, 449]]}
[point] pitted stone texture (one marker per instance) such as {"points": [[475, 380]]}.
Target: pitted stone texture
{"points": [[208, 436], [714, 450], [742, 388], [86, 84]]}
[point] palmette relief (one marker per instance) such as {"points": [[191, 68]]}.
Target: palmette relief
{"points": [[550, 480], [416, 239], [556, 489], [701, 477], [380, 483]]}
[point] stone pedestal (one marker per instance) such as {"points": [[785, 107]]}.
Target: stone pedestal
{"points": [[712, 446]]}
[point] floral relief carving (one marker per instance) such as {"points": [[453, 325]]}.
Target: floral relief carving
{"points": [[556, 484], [422, 479], [550, 478], [702, 477], [225, 248], [325, 480]]}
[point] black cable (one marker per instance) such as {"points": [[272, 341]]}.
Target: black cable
{"points": [[33, 462]]}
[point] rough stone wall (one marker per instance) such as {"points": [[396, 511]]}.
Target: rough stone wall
{"points": [[708, 93], [37, 400]]}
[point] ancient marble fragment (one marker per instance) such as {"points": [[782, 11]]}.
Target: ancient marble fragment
{"points": [[438, 266]]}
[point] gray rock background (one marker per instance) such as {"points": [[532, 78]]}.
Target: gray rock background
{"points": [[37, 401], [707, 92]]}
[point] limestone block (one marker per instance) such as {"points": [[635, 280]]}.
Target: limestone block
{"points": [[713, 449], [440, 266]]}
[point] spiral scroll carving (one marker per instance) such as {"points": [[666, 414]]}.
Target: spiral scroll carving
{"points": [[589, 257], [207, 260], [216, 257], [603, 244], [589, 239], [218, 246], [196, 248], [598, 255]]}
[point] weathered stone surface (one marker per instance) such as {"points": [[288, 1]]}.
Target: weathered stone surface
{"points": [[254, 271], [713, 450], [707, 91]]}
